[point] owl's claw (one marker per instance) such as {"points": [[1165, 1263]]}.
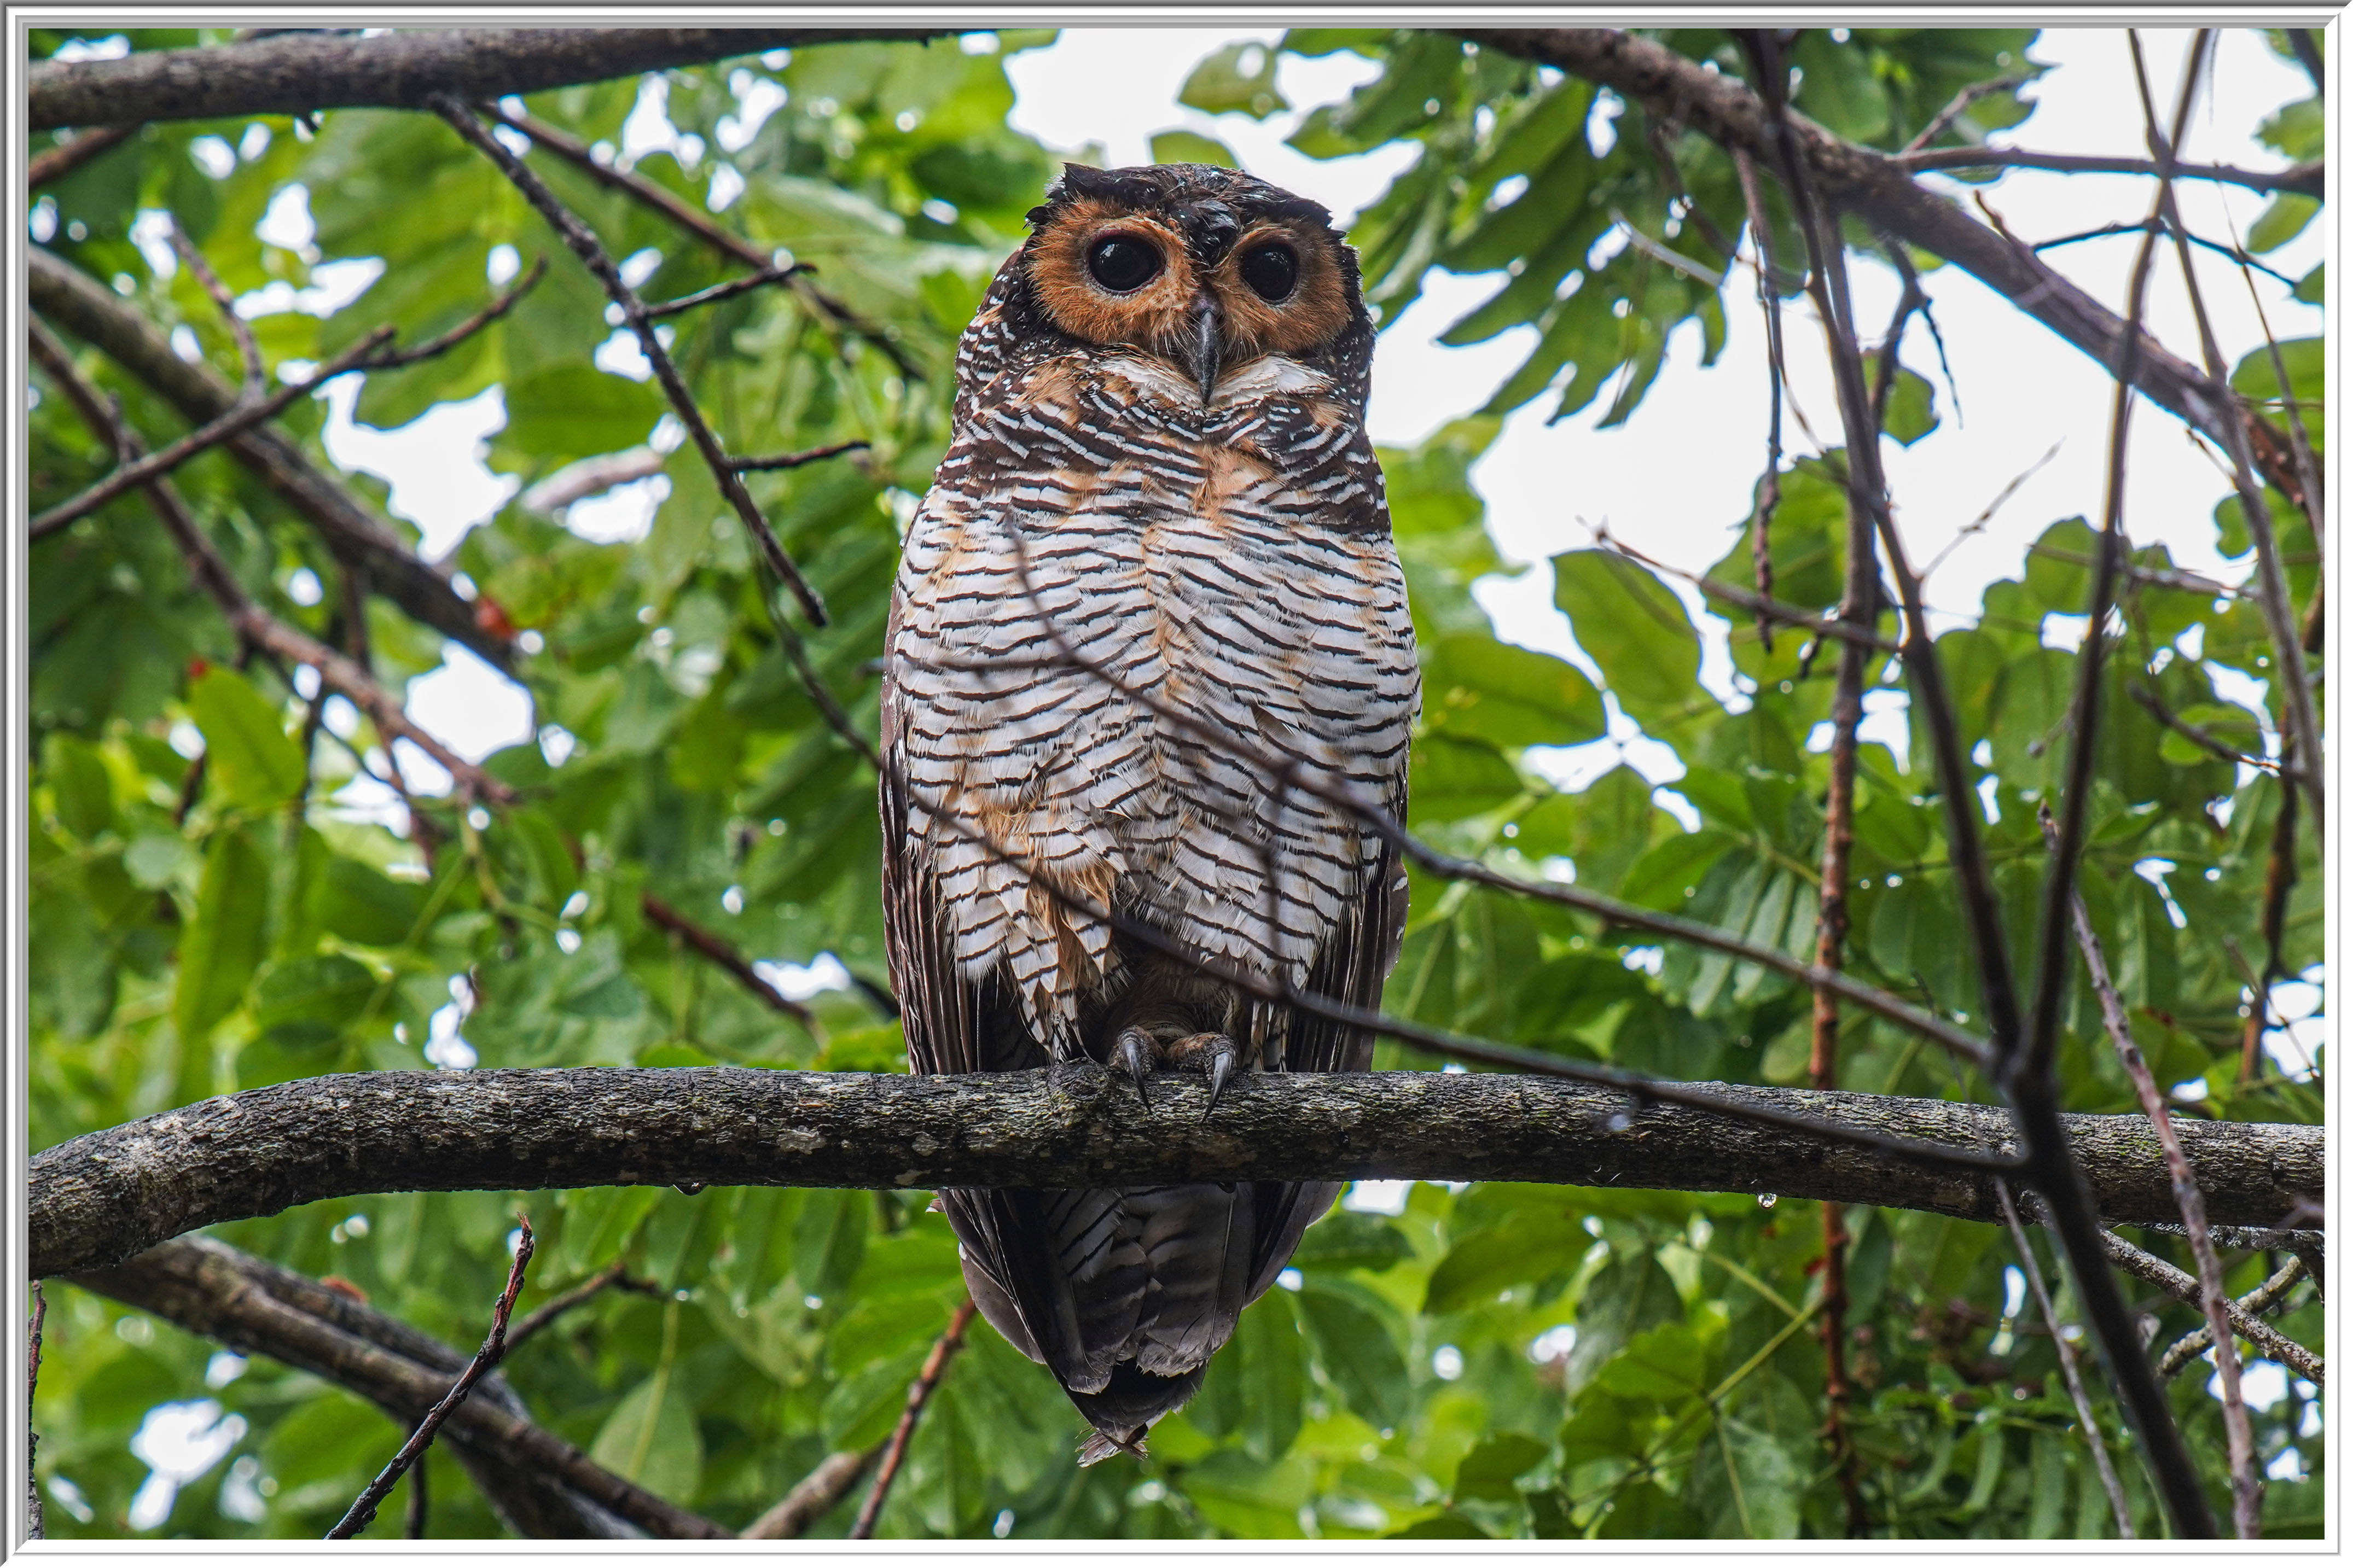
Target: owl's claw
{"points": [[1222, 1056], [1134, 1055]]}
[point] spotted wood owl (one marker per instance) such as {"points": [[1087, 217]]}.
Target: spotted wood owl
{"points": [[1159, 444]]}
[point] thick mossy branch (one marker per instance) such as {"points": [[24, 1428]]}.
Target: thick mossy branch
{"points": [[106, 1196], [296, 73]]}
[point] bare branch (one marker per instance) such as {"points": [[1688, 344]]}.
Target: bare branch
{"points": [[252, 409], [256, 625], [256, 376], [2110, 230], [362, 1513], [2303, 179], [1942, 121], [613, 1277], [818, 1493], [2068, 1370], [76, 301], [55, 162], [2156, 1272], [2262, 1299], [919, 1394], [301, 73], [1765, 609], [2195, 733], [106, 1195], [830, 312], [1769, 490], [797, 459], [719, 291], [1880, 189], [543, 1486], [722, 951], [591, 252]]}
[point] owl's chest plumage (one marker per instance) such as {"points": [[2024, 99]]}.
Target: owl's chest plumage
{"points": [[1233, 562]]}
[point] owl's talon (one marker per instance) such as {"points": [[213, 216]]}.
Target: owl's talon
{"points": [[1222, 1056], [1134, 1056]]}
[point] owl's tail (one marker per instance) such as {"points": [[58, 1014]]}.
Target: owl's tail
{"points": [[1125, 1408]]}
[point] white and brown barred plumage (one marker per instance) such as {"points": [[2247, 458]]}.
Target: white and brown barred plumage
{"points": [[1171, 448]]}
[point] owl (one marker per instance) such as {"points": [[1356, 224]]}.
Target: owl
{"points": [[1159, 465]]}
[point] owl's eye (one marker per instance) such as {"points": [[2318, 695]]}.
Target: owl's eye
{"points": [[1123, 263], [1272, 271]]}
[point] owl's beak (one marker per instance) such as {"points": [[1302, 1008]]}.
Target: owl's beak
{"points": [[1203, 329]]}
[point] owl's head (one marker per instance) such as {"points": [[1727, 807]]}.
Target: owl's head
{"points": [[1205, 269]]}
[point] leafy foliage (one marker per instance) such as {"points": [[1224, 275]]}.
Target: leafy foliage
{"points": [[1494, 1361]]}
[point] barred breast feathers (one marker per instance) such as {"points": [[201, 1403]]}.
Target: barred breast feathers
{"points": [[1234, 560]]}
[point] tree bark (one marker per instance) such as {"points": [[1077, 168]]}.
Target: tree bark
{"points": [[72, 298], [103, 1196], [296, 73]]}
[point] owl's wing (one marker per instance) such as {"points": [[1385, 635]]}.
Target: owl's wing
{"points": [[953, 1025]]}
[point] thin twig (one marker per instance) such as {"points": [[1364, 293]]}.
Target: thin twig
{"points": [[2109, 230], [727, 290], [796, 459], [2262, 1299], [256, 625], [34, 1527], [2181, 1287], [494, 1348], [2195, 733], [613, 1277], [829, 311], [1762, 607], [817, 1494], [919, 1394], [722, 953], [257, 377], [1769, 490], [2304, 179], [370, 353], [2279, 882], [62, 158], [2067, 1367], [591, 252], [1962, 100]]}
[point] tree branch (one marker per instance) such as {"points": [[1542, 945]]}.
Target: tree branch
{"points": [[2262, 1299], [254, 625], [106, 1195], [722, 951], [919, 1395], [298, 73], [542, 1485], [2302, 179], [78, 302], [362, 1514], [1880, 189], [818, 1493], [2068, 1370], [55, 162], [2156, 1272]]}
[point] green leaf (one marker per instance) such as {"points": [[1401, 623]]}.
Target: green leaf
{"points": [[1186, 147], [1237, 79], [1636, 629], [1488, 1470], [1450, 779], [1533, 1246], [1482, 690], [361, 904], [327, 989], [225, 943], [651, 1438], [79, 784], [248, 751], [1357, 1350], [1910, 403], [2282, 221]]}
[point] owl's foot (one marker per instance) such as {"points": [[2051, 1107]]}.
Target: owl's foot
{"points": [[1215, 1056], [1135, 1049]]}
